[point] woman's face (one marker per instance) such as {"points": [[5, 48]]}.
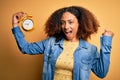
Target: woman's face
{"points": [[70, 26]]}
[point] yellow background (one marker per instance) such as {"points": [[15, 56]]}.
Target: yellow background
{"points": [[16, 66]]}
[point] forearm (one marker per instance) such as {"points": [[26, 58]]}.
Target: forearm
{"points": [[101, 66]]}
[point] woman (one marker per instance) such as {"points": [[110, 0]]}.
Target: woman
{"points": [[67, 54]]}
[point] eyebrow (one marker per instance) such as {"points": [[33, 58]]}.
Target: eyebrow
{"points": [[67, 20]]}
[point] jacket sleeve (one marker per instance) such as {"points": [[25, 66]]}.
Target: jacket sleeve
{"points": [[24, 46], [102, 61]]}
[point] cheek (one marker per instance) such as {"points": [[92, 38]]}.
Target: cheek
{"points": [[75, 28]]}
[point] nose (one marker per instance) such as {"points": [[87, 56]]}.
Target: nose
{"points": [[66, 25]]}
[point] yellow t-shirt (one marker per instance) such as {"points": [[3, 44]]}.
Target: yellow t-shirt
{"points": [[64, 63]]}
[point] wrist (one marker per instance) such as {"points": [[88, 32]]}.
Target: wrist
{"points": [[15, 25]]}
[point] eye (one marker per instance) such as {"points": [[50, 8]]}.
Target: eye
{"points": [[62, 22], [70, 22]]}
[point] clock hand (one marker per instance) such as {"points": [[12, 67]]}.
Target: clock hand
{"points": [[26, 23]]}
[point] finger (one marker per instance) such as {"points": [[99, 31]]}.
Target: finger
{"points": [[105, 30], [19, 15]]}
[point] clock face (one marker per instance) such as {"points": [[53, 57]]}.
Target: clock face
{"points": [[27, 24]]}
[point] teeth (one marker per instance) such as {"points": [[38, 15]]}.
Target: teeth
{"points": [[68, 31]]}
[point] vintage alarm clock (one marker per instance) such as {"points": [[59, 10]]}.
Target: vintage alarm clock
{"points": [[27, 23]]}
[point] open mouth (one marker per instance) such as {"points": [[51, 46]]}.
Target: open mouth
{"points": [[68, 33]]}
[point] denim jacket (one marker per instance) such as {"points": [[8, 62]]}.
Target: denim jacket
{"points": [[86, 56]]}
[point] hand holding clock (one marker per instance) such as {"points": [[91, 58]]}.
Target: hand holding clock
{"points": [[16, 18], [27, 23]]}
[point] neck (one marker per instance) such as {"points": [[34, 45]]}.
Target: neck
{"points": [[73, 40]]}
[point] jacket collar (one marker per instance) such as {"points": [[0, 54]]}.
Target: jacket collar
{"points": [[82, 44]]}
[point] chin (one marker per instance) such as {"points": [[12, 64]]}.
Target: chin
{"points": [[69, 39]]}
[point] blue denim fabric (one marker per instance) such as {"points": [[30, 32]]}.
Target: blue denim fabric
{"points": [[86, 56]]}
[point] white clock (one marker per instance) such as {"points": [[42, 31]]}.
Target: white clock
{"points": [[28, 24]]}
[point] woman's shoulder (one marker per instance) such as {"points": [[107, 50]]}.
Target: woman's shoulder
{"points": [[50, 40], [88, 44]]}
